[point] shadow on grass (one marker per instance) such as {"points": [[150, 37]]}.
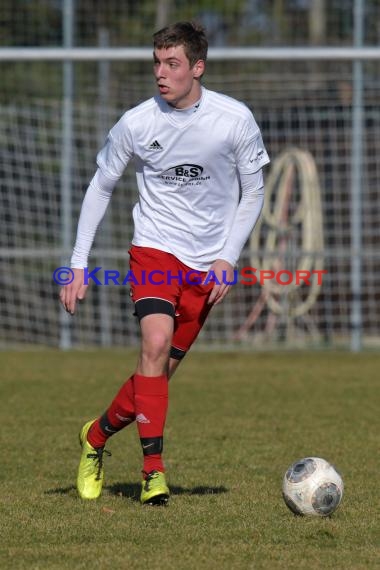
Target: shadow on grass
{"points": [[61, 490], [133, 490]]}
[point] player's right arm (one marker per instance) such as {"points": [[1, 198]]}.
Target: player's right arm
{"points": [[94, 206], [75, 291], [112, 161]]}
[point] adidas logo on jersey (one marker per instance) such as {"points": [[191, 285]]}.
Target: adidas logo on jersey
{"points": [[155, 146]]}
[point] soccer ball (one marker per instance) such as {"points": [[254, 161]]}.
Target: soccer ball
{"points": [[312, 486]]}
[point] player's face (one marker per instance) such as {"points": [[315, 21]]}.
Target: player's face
{"points": [[177, 82]]}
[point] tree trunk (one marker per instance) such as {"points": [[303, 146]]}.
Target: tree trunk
{"points": [[317, 22], [162, 14]]}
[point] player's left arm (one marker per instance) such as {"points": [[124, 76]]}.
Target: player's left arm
{"points": [[247, 214]]}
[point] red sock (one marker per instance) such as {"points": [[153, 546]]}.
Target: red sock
{"points": [[151, 405], [120, 414]]}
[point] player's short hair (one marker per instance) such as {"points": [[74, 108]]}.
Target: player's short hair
{"points": [[187, 34]]}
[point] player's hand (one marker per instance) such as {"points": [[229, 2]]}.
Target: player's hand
{"points": [[224, 273], [76, 290]]}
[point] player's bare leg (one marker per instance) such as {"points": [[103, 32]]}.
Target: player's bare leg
{"points": [[157, 332], [151, 402]]}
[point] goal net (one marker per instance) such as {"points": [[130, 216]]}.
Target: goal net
{"points": [[298, 105]]}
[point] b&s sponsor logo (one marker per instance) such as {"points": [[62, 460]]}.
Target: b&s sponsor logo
{"points": [[185, 171], [191, 174]]}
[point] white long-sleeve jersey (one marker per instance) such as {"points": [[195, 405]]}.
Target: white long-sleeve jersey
{"points": [[198, 174]]}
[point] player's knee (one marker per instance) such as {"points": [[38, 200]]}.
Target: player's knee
{"points": [[157, 325], [156, 345]]}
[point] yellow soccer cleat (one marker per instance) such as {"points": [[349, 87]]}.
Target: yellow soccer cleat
{"points": [[154, 489], [90, 473]]}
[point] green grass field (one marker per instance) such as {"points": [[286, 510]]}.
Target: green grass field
{"points": [[236, 421]]}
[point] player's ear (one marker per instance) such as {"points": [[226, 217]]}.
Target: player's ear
{"points": [[199, 68]]}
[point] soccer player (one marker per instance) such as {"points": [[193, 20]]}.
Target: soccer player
{"points": [[198, 157]]}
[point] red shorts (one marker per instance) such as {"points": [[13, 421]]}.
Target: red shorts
{"points": [[158, 274]]}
